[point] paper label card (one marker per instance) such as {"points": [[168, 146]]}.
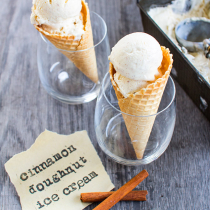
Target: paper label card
{"points": [[53, 173]]}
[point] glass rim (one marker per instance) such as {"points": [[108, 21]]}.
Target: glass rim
{"points": [[169, 104], [72, 51]]}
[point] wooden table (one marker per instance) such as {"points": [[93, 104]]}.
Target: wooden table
{"points": [[179, 179]]}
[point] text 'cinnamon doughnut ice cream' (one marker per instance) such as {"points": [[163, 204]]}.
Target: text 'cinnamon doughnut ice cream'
{"points": [[60, 16], [136, 58]]}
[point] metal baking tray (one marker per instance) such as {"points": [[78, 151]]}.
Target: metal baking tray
{"points": [[183, 72]]}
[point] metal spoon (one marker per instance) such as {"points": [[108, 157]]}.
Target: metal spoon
{"points": [[194, 35], [181, 6]]}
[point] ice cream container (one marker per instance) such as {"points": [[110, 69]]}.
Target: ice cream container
{"points": [[183, 72]]}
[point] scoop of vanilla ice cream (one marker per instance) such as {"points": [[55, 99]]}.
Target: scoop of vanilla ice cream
{"points": [[137, 56], [55, 11], [62, 16]]}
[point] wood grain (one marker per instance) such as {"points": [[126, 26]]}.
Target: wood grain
{"points": [[179, 179]]}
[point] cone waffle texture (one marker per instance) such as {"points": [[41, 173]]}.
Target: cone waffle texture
{"points": [[143, 103], [85, 60]]}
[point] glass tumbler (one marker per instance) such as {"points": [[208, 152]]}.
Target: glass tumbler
{"points": [[59, 75], [112, 134]]}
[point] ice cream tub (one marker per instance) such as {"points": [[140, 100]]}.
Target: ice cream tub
{"points": [[184, 72]]}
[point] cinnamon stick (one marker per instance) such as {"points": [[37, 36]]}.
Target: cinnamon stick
{"points": [[124, 190], [100, 196]]}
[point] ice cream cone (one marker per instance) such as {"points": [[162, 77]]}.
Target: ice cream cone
{"points": [[85, 60], [143, 103]]}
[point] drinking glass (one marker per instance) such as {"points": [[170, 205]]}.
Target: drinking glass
{"points": [[112, 134], [61, 78]]}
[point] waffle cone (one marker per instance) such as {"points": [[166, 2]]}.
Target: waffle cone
{"points": [[143, 103], [85, 60]]}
